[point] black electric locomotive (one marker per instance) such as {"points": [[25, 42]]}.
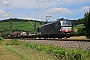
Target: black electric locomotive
{"points": [[62, 28]]}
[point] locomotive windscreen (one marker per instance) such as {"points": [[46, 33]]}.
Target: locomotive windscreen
{"points": [[65, 23]]}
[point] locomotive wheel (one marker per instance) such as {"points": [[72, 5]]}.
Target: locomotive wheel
{"points": [[65, 37], [59, 38]]}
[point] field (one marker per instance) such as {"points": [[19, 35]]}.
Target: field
{"points": [[76, 27], [21, 50], [26, 26]]}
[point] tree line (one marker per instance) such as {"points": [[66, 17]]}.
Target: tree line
{"points": [[86, 22]]}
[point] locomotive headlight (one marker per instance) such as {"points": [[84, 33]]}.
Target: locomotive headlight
{"points": [[60, 30]]}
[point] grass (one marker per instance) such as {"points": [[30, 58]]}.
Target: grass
{"points": [[14, 50], [31, 54], [78, 37], [6, 54], [33, 51], [61, 53], [26, 26], [76, 27], [1, 39]]}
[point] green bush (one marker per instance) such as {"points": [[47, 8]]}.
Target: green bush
{"points": [[14, 42], [81, 31], [1, 39], [4, 34]]}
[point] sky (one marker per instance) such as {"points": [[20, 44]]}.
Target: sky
{"points": [[39, 9]]}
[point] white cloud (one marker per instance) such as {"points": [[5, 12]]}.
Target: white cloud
{"points": [[83, 10], [43, 7], [29, 18], [68, 1], [86, 8], [41, 1], [58, 11], [76, 1], [4, 14], [5, 3], [36, 3]]}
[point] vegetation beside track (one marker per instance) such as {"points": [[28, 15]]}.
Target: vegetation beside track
{"points": [[14, 50], [28, 50], [6, 54], [61, 53]]}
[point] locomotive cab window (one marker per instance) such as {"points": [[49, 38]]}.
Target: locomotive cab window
{"points": [[65, 23]]}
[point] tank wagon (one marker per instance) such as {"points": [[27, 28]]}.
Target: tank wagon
{"points": [[61, 28]]}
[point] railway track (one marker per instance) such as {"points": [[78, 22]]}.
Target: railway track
{"points": [[72, 42], [75, 38], [88, 40]]}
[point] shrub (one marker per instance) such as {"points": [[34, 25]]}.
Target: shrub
{"points": [[14, 42], [1, 38], [81, 31], [62, 53]]}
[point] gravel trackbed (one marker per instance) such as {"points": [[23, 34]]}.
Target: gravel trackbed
{"points": [[66, 44]]}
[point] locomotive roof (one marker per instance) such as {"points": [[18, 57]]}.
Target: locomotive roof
{"points": [[47, 24], [61, 19]]}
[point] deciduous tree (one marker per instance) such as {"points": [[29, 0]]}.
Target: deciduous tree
{"points": [[86, 20]]}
